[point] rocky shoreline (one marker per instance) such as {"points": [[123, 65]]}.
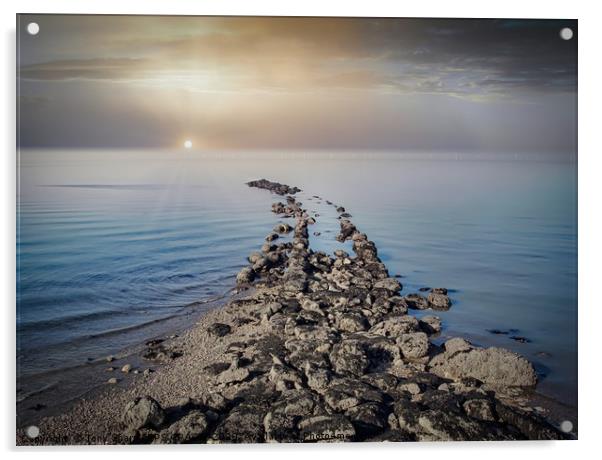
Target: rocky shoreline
{"points": [[319, 348]]}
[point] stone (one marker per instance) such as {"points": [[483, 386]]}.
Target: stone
{"points": [[126, 368], [438, 301], [326, 428], [368, 419], [245, 276], [112, 381], [272, 237], [410, 387], [495, 366], [457, 344], [416, 302], [348, 357], [414, 345], [280, 428], [480, 409], [283, 228], [189, 429], [233, 375], [219, 329], [352, 323], [396, 326], [244, 424], [391, 284], [143, 412], [430, 324]]}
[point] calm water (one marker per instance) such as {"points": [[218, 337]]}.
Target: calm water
{"points": [[112, 246]]}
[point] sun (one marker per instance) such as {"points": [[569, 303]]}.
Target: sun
{"points": [[188, 144]]}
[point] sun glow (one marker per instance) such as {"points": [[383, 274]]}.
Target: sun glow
{"points": [[188, 144]]}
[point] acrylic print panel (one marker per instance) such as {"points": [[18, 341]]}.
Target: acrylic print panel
{"points": [[264, 229]]}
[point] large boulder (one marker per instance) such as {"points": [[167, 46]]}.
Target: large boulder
{"points": [[143, 412], [496, 366]]}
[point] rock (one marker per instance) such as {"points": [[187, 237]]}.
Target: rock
{"points": [[391, 284], [430, 324], [219, 329], [414, 345], [112, 381], [496, 366], [110, 359], [244, 424], [245, 276], [406, 413], [457, 344], [368, 419], [126, 368], [143, 412], [190, 428], [416, 302], [326, 428], [283, 228], [272, 237], [348, 357], [396, 326], [310, 305], [280, 427], [439, 425], [439, 301], [531, 427], [233, 375], [520, 339], [480, 409], [275, 187], [352, 323], [410, 387]]}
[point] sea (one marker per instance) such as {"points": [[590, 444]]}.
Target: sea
{"points": [[118, 246]]}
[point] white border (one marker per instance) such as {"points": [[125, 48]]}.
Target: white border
{"points": [[590, 227]]}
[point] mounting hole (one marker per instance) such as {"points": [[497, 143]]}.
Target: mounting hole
{"points": [[566, 33], [566, 426], [33, 28], [32, 431]]}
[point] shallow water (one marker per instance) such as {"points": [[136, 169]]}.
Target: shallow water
{"points": [[114, 244]]}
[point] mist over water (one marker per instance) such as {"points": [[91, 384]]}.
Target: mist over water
{"points": [[111, 242]]}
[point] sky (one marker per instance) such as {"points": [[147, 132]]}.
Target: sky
{"points": [[453, 85]]}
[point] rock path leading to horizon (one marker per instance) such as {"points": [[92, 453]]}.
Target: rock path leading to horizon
{"points": [[333, 355]]}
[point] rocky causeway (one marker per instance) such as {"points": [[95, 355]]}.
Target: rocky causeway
{"points": [[314, 348]]}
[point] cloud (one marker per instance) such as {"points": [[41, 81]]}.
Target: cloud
{"points": [[455, 57], [86, 69]]}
